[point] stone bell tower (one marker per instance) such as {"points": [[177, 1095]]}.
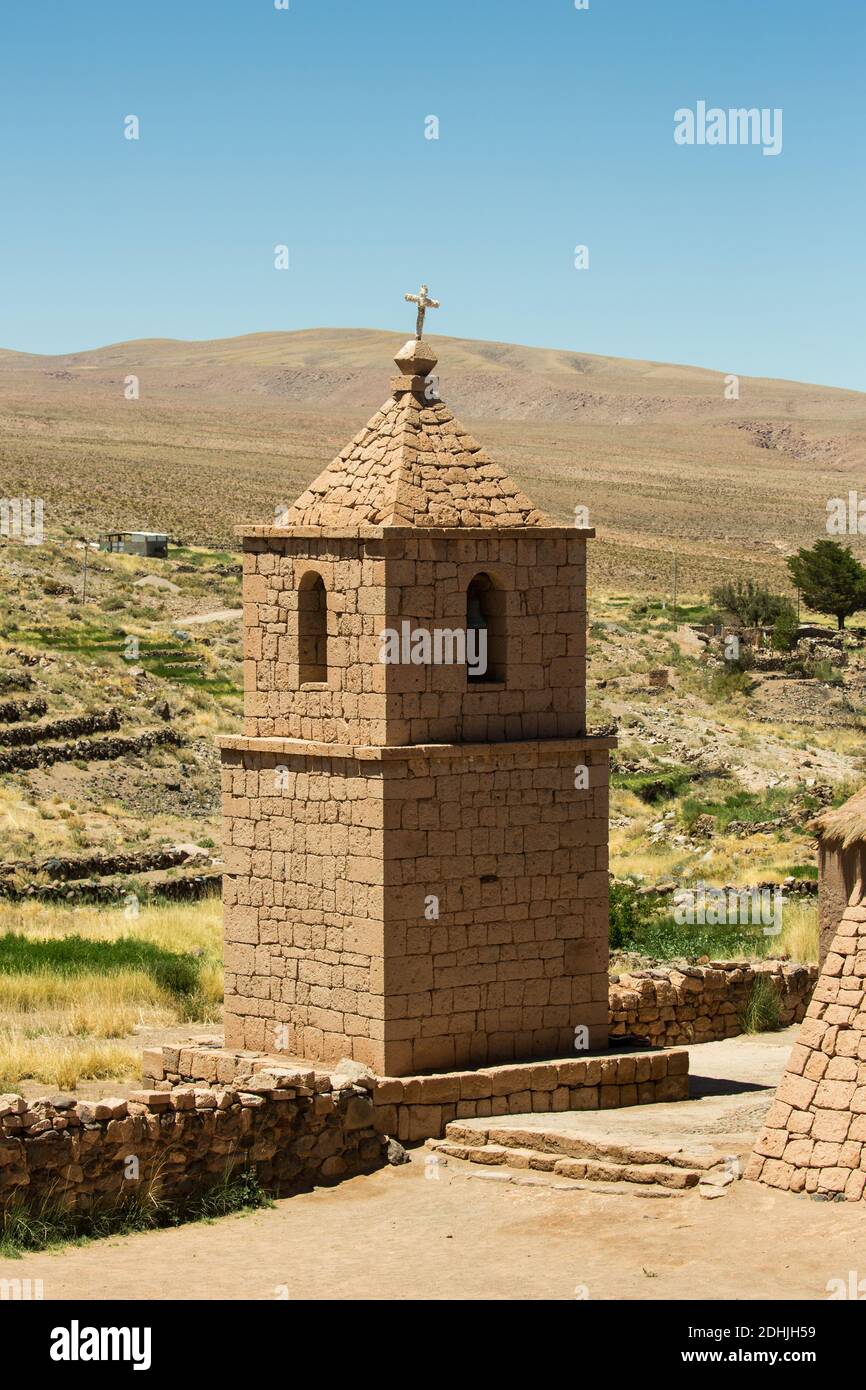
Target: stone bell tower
{"points": [[416, 848]]}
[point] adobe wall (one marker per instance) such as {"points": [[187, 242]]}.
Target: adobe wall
{"points": [[839, 871], [377, 581], [331, 866]]}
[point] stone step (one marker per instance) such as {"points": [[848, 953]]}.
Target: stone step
{"points": [[620, 1175], [550, 1143], [550, 1182]]}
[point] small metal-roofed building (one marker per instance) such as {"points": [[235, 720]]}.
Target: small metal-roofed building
{"points": [[153, 544]]}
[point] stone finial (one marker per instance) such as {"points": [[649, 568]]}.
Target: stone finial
{"points": [[416, 358]]}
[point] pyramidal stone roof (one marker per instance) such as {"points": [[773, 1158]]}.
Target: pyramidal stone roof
{"points": [[814, 1137], [413, 464]]}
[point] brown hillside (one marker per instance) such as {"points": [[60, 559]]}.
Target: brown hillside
{"points": [[229, 429]]}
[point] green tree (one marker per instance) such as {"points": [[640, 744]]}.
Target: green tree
{"points": [[830, 579], [751, 604], [785, 631]]}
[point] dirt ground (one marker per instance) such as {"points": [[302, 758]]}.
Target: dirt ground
{"points": [[401, 1234], [398, 1236]]}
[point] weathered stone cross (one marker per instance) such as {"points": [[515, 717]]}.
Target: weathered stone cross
{"points": [[424, 302]]}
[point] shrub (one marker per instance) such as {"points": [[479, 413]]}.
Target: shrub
{"points": [[816, 670], [657, 785], [752, 604], [723, 686], [631, 912], [785, 631]]}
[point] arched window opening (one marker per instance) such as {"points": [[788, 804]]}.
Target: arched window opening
{"points": [[485, 631], [312, 629]]}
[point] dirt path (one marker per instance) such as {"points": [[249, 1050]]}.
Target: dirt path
{"points": [[398, 1236], [219, 615]]}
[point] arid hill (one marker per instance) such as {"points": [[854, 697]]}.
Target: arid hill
{"points": [[227, 430]]}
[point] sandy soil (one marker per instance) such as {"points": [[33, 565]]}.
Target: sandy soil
{"points": [[397, 1236]]}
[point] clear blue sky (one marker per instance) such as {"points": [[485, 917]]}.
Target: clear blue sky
{"points": [[306, 127]]}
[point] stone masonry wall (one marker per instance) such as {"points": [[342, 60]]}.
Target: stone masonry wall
{"points": [[297, 1130], [331, 947], [702, 1003], [516, 858], [350, 706], [302, 893], [840, 869], [419, 1107], [542, 578], [375, 581], [814, 1136]]}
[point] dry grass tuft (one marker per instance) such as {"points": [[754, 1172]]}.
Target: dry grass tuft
{"points": [[61, 1028]]}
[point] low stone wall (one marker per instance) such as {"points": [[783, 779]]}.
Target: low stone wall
{"points": [[13, 710], [703, 1003], [78, 866], [297, 1130], [183, 887], [19, 735], [412, 1108], [88, 749]]}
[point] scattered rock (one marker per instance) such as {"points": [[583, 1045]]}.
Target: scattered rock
{"points": [[396, 1154], [156, 581]]}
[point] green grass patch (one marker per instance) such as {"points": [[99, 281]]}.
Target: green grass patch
{"points": [[23, 1230], [178, 662], [82, 639], [697, 613], [631, 914], [202, 559], [801, 871], [665, 939], [751, 808], [188, 675], [178, 974], [643, 923], [762, 1013]]}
